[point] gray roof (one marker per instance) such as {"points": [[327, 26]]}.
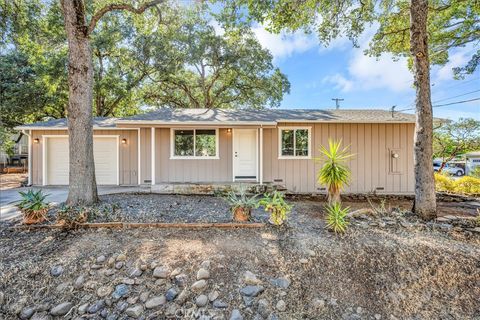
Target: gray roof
{"points": [[265, 116], [101, 122], [269, 115]]}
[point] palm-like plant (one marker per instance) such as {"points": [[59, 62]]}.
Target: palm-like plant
{"points": [[336, 217], [335, 174], [33, 206]]}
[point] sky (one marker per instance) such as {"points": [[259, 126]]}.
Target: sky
{"points": [[318, 74]]}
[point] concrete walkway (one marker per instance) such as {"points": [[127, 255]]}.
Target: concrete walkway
{"points": [[56, 195]]}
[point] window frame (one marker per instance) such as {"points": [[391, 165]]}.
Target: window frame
{"points": [[294, 157], [194, 157]]}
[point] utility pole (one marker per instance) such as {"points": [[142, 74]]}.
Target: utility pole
{"points": [[337, 102]]}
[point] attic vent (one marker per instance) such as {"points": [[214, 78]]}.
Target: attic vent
{"points": [[277, 180], [321, 189], [147, 181], [379, 188]]}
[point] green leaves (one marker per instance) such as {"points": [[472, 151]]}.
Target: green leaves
{"points": [[32, 200], [335, 174], [336, 219], [277, 206]]}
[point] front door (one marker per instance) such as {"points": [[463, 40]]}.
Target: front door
{"points": [[245, 154]]}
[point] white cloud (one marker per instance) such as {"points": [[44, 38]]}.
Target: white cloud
{"points": [[339, 82], [284, 45]]}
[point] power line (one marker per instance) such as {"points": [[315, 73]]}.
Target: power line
{"points": [[446, 104], [460, 95]]}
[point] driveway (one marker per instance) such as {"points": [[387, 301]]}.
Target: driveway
{"points": [[56, 195]]}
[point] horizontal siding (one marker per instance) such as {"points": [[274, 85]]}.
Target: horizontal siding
{"points": [[128, 161], [192, 170], [372, 166]]}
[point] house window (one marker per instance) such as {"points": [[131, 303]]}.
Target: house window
{"points": [[194, 143], [294, 143]]}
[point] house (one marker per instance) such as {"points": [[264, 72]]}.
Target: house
{"points": [[200, 146], [472, 161], [16, 160]]}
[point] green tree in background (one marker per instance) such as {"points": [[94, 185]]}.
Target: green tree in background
{"points": [[455, 138]]}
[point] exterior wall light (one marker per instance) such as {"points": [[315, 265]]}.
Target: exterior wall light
{"points": [[124, 141], [395, 155], [229, 130], [36, 140]]}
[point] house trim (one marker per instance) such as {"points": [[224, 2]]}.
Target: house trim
{"points": [[44, 154], [172, 145], [279, 132]]}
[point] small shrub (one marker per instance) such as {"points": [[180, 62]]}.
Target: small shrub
{"points": [[475, 172], [467, 185], [241, 204], [443, 183], [70, 217], [33, 206], [277, 206], [336, 217]]}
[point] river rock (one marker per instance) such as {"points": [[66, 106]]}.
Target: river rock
{"points": [[199, 285], [171, 294], [104, 291], [26, 313], [281, 306], [251, 291], [97, 306], [236, 315], [56, 271], [220, 304], [203, 274], [212, 296], [101, 259], [201, 300], [61, 309], [160, 272], [121, 257], [79, 282], [135, 311], [155, 302], [250, 278]]}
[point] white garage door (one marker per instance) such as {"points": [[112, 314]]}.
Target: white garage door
{"points": [[105, 153]]}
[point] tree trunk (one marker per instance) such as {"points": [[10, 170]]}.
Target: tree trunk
{"points": [[83, 187], [425, 202]]}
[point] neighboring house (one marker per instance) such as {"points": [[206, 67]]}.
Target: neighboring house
{"points": [[20, 152], [180, 146], [472, 160]]}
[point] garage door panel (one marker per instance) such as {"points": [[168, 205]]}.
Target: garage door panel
{"points": [[105, 152]]}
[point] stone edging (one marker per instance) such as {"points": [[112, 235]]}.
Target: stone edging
{"points": [[128, 225]]}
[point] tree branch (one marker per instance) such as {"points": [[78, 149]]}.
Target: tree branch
{"points": [[119, 6]]}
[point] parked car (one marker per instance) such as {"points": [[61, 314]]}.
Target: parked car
{"points": [[449, 168]]}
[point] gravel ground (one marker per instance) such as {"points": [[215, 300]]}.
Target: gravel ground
{"points": [[403, 269]]}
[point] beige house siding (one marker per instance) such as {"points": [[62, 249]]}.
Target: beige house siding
{"points": [[145, 155], [192, 170], [373, 167], [128, 161]]}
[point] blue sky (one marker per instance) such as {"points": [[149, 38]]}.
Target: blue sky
{"points": [[318, 74]]}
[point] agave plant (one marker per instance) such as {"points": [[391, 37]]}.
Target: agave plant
{"points": [[335, 174], [336, 217], [33, 206], [241, 204]]}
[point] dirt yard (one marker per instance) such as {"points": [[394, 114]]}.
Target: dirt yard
{"points": [[388, 267]]}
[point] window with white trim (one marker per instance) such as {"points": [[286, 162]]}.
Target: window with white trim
{"points": [[294, 143], [194, 143]]}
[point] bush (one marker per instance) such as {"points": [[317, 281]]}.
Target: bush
{"points": [[70, 217], [467, 185], [475, 172], [443, 183], [277, 206], [33, 206], [336, 217]]}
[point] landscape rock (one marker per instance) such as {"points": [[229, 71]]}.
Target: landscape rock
{"points": [[155, 302], [56, 271], [263, 308], [101, 259], [201, 300], [134, 272], [79, 282], [135, 311], [281, 306], [175, 272], [251, 291], [205, 264], [212, 296], [283, 283], [181, 280], [83, 308], [122, 306], [250, 278], [26, 313], [199, 285], [236, 315], [303, 261], [318, 303], [104, 291], [171, 294], [112, 316], [203, 274], [61, 309], [182, 297], [121, 257], [160, 272], [97, 306], [119, 265], [144, 296], [220, 304]]}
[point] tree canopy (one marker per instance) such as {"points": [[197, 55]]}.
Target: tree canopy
{"points": [[172, 59]]}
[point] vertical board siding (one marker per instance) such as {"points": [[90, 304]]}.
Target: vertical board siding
{"points": [[145, 155], [128, 154], [370, 165], [192, 170]]}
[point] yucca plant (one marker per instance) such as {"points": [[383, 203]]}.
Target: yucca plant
{"points": [[335, 174], [277, 206], [337, 217], [33, 206]]}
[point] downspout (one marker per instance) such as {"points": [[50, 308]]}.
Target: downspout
{"points": [[261, 154], [29, 156]]}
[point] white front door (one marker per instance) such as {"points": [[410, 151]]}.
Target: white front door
{"points": [[245, 154]]}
